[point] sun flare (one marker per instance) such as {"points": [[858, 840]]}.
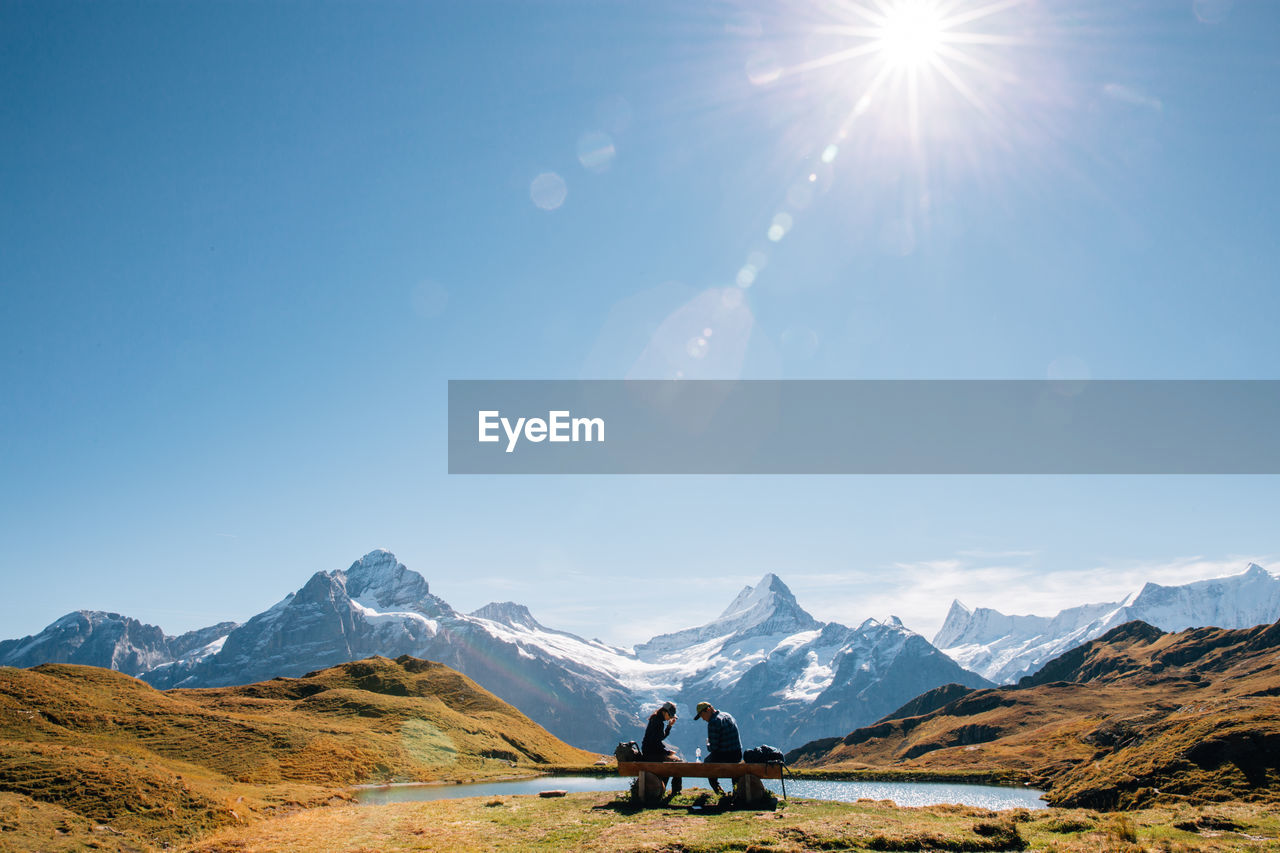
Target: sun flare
{"points": [[911, 33], [913, 55], [908, 102]]}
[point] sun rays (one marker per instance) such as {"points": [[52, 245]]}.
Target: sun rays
{"points": [[910, 57]]}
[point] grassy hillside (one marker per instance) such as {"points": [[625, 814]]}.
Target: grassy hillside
{"points": [[109, 749], [1132, 718]]}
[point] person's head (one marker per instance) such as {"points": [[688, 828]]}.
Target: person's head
{"points": [[668, 710], [703, 711]]}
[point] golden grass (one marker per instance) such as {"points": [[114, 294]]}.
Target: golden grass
{"points": [[159, 767], [27, 825]]}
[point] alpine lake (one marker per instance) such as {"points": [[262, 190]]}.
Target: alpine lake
{"points": [[906, 794]]}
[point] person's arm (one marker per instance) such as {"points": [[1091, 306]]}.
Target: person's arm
{"points": [[653, 736]]}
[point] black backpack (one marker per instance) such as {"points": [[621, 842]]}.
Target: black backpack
{"points": [[763, 754], [628, 751]]}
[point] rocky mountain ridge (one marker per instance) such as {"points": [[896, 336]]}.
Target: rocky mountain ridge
{"points": [[110, 640]]}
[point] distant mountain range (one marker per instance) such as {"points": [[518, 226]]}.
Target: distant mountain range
{"points": [[785, 676], [1005, 648]]}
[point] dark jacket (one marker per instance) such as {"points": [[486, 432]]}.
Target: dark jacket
{"points": [[655, 733]]}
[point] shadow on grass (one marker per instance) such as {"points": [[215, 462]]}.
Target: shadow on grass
{"points": [[697, 804]]}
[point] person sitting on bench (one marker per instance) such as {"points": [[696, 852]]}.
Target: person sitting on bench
{"points": [[723, 744], [653, 748]]}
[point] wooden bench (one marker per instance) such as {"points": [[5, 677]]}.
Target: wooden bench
{"points": [[747, 787]]}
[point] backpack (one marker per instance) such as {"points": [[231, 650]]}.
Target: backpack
{"points": [[628, 751], [763, 754]]}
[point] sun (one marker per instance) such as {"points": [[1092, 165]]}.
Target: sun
{"points": [[909, 60], [911, 34]]}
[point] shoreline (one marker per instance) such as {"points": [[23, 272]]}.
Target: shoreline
{"points": [[440, 783], [999, 778]]}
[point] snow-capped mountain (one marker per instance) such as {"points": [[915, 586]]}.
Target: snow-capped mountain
{"points": [[109, 640], [785, 676], [377, 606], [1238, 601], [788, 678], [380, 607], [1004, 648], [764, 609]]}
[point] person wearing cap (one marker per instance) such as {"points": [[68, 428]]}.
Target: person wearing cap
{"points": [[653, 748], [723, 744]]}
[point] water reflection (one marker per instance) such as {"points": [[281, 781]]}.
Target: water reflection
{"points": [[902, 793], [909, 794]]}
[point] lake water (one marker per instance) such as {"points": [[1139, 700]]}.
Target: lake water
{"points": [[903, 793]]}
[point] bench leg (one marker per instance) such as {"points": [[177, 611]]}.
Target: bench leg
{"points": [[649, 788], [750, 792]]}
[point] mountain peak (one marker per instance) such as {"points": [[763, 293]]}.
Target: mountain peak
{"points": [[773, 582], [507, 613], [378, 579], [1256, 571], [765, 609], [769, 592], [954, 626], [377, 561]]}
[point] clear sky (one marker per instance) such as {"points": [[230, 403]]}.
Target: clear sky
{"points": [[244, 245]]}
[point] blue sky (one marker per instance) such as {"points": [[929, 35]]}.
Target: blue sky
{"points": [[243, 246]]}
